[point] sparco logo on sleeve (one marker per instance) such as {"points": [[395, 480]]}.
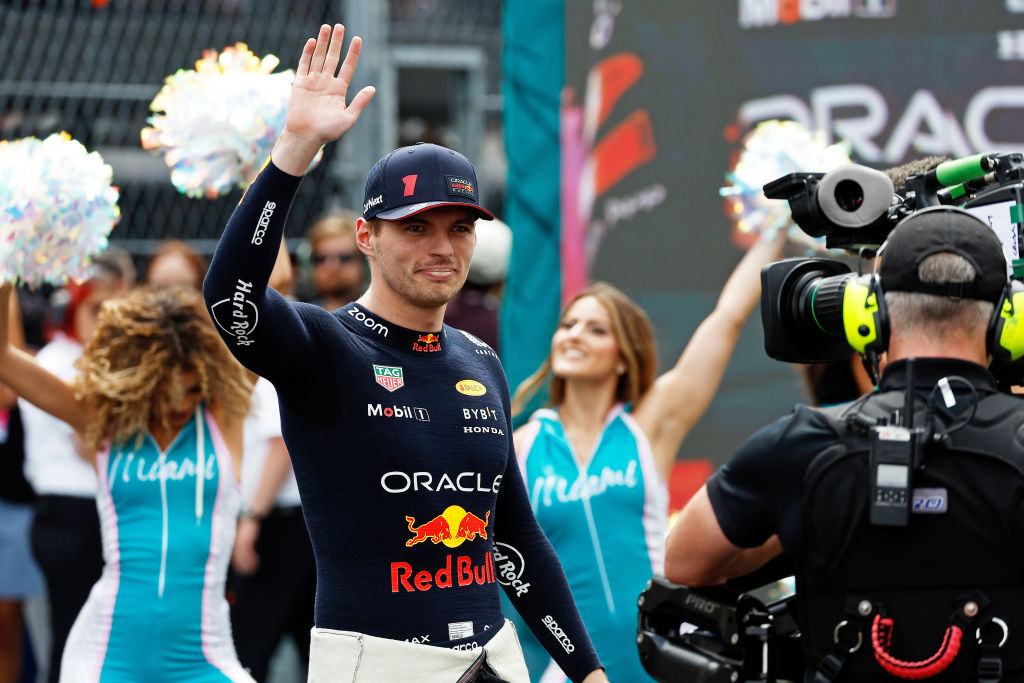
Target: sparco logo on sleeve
{"points": [[261, 226], [558, 633], [238, 315]]}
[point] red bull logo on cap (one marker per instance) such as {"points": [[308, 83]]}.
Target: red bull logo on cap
{"points": [[452, 527], [427, 343], [460, 185]]}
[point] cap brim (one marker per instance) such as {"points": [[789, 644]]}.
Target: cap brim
{"points": [[400, 212]]}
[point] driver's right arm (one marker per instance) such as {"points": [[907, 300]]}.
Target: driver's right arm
{"points": [[263, 331]]}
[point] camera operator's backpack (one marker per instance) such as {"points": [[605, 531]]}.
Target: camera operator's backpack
{"points": [[942, 596]]}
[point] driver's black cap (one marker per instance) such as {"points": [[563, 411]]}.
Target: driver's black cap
{"points": [[419, 177]]}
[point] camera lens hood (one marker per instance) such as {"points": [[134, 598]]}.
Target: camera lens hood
{"points": [[854, 196]]}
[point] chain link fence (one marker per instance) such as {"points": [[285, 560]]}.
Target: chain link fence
{"points": [[92, 67]]}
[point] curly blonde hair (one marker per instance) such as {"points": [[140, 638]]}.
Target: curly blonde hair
{"points": [[131, 370]]}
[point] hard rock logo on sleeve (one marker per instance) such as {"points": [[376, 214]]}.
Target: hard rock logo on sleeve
{"points": [[238, 315]]}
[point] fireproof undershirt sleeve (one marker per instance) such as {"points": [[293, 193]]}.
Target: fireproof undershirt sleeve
{"points": [[266, 333], [532, 577]]}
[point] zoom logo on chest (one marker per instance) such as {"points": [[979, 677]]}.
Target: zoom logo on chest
{"points": [[368, 322]]}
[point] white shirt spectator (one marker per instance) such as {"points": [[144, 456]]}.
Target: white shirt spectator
{"points": [[53, 463], [262, 424]]}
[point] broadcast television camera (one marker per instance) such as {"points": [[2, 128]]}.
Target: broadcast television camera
{"points": [[730, 633], [855, 207]]}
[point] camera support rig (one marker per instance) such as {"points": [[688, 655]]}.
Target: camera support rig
{"points": [[716, 635]]}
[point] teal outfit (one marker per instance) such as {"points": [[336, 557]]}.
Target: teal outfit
{"points": [[606, 520], [158, 612]]}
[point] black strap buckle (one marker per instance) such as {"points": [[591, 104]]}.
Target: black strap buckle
{"points": [[991, 637], [990, 670], [829, 669]]}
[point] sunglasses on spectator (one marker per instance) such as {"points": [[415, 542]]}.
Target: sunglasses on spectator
{"points": [[340, 257]]}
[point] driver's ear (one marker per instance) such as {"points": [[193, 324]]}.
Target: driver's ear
{"points": [[364, 236]]}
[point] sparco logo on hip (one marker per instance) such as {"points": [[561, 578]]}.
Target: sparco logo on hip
{"points": [[261, 226], [368, 321], [241, 322], [558, 633]]}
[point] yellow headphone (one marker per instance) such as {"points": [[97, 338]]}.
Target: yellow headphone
{"points": [[866, 320]]}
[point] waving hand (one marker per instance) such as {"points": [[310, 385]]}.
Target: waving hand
{"points": [[317, 111]]}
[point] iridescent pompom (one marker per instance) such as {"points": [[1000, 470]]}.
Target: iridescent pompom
{"points": [[770, 151], [220, 121], [57, 208]]}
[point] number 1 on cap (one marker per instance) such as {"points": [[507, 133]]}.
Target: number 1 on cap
{"points": [[410, 185]]}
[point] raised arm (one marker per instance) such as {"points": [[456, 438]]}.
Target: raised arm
{"points": [[261, 328], [682, 395], [317, 113], [15, 329], [20, 372]]}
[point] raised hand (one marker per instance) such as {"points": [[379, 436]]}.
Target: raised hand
{"points": [[317, 112]]}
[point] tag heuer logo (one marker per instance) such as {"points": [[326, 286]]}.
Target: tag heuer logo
{"points": [[388, 376]]}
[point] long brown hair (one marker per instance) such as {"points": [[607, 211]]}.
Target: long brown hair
{"points": [[634, 336], [131, 369]]}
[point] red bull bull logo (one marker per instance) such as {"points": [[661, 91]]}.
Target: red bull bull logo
{"points": [[452, 527], [427, 343]]}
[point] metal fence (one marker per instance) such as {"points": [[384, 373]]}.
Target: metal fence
{"points": [[92, 67]]}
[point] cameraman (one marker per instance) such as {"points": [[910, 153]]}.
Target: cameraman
{"points": [[912, 599]]}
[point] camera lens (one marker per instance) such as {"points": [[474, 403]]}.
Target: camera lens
{"points": [[849, 195], [816, 302]]}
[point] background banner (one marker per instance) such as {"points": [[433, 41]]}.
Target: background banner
{"points": [[658, 96]]}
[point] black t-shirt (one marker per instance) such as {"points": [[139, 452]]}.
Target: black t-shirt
{"points": [[759, 492], [14, 488]]}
